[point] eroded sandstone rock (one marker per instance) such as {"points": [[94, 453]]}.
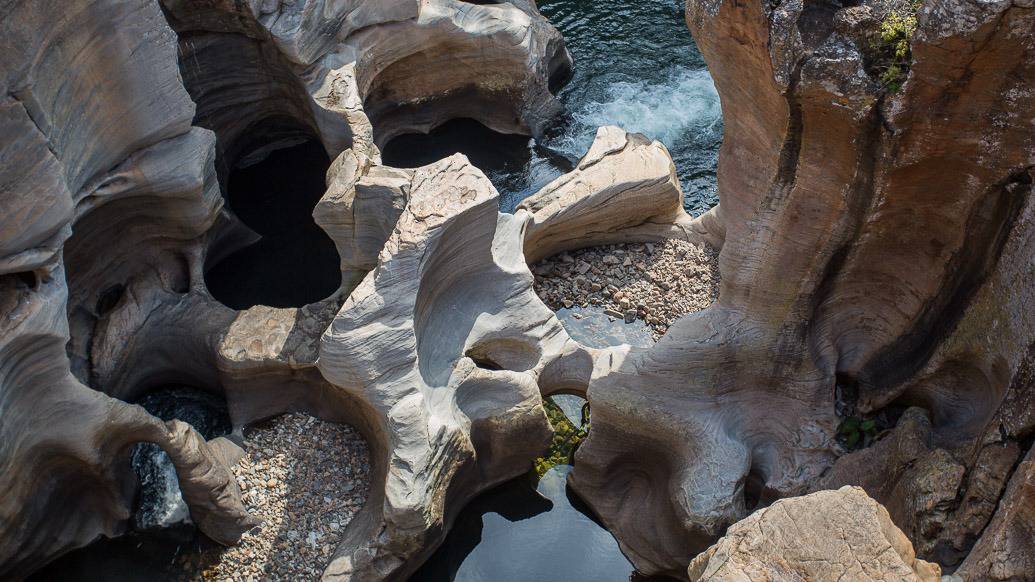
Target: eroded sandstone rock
{"points": [[624, 189], [876, 242], [111, 204], [447, 348]]}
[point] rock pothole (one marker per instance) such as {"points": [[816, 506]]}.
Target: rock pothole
{"points": [[293, 262], [654, 282], [306, 479]]}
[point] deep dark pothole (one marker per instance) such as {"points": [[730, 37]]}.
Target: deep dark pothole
{"points": [[295, 263], [515, 165]]}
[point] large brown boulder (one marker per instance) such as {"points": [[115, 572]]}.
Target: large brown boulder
{"points": [[830, 535]]}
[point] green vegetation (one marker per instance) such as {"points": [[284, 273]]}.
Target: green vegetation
{"points": [[566, 437], [891, 53], [855, 432]]}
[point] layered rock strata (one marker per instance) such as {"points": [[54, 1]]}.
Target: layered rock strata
{"points": [[875, 260]]}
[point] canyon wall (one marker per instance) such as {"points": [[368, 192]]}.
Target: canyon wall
{"points": [[876, 241], [877, 256]]}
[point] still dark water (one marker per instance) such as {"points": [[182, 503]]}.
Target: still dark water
{"points": [[525, 531], [294, 263], [636, 66]]}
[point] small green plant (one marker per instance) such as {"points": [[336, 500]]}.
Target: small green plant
{"points": [[856, 432], [566, 437], [891, 52]]}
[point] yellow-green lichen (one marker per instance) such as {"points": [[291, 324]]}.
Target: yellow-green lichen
{"points": [[566, 437], [891, 50]]}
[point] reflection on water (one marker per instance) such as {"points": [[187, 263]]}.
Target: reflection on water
{"points": [[521, 532], [534, 527], [593, 328], [571, 406]]}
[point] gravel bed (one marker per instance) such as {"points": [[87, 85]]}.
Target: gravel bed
{"points": [[654, 282], [306, 479]]}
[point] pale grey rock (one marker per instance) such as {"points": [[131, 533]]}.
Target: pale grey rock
{"points": [[443, 339], [110, 191], [829, 535], [625, 189]]}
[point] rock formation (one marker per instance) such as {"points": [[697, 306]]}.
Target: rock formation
{"points": [[830, 535], [876, 255], [876, 244], [121, 133]]}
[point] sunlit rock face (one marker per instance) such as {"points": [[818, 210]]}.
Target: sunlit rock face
{"points": [[822, 536], [124, 124], [876, 258], [874, 236]]}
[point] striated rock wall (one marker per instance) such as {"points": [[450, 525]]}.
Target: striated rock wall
{"points": [[876, 256], [82, 178], [876, 262], [120, 133]]}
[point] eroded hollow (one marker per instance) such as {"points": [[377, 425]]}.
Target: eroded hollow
{"points": [[159, 505], [533, 527], [294, 263]]}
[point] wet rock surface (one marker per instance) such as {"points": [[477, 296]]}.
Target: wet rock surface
{"points": [[656, 283]]}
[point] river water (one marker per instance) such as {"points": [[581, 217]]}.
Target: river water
{"points": [[636, 66]]}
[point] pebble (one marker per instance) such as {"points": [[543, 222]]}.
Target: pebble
{"points": [[654, 282], [306, 479]]}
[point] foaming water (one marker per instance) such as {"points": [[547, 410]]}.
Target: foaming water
{"points": [[685, 100], [636, 66], [681, 111]]}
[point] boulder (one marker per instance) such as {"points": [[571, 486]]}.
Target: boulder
{"points": [[829, 535]]}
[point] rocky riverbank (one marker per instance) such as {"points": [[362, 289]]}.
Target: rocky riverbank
{"points": [[654, 282], [306, 479]]}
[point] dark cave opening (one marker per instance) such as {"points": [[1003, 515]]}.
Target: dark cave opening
{"points": [[515, 165], [492, 152], [295, 263], [161, 540], [159, 506]]}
